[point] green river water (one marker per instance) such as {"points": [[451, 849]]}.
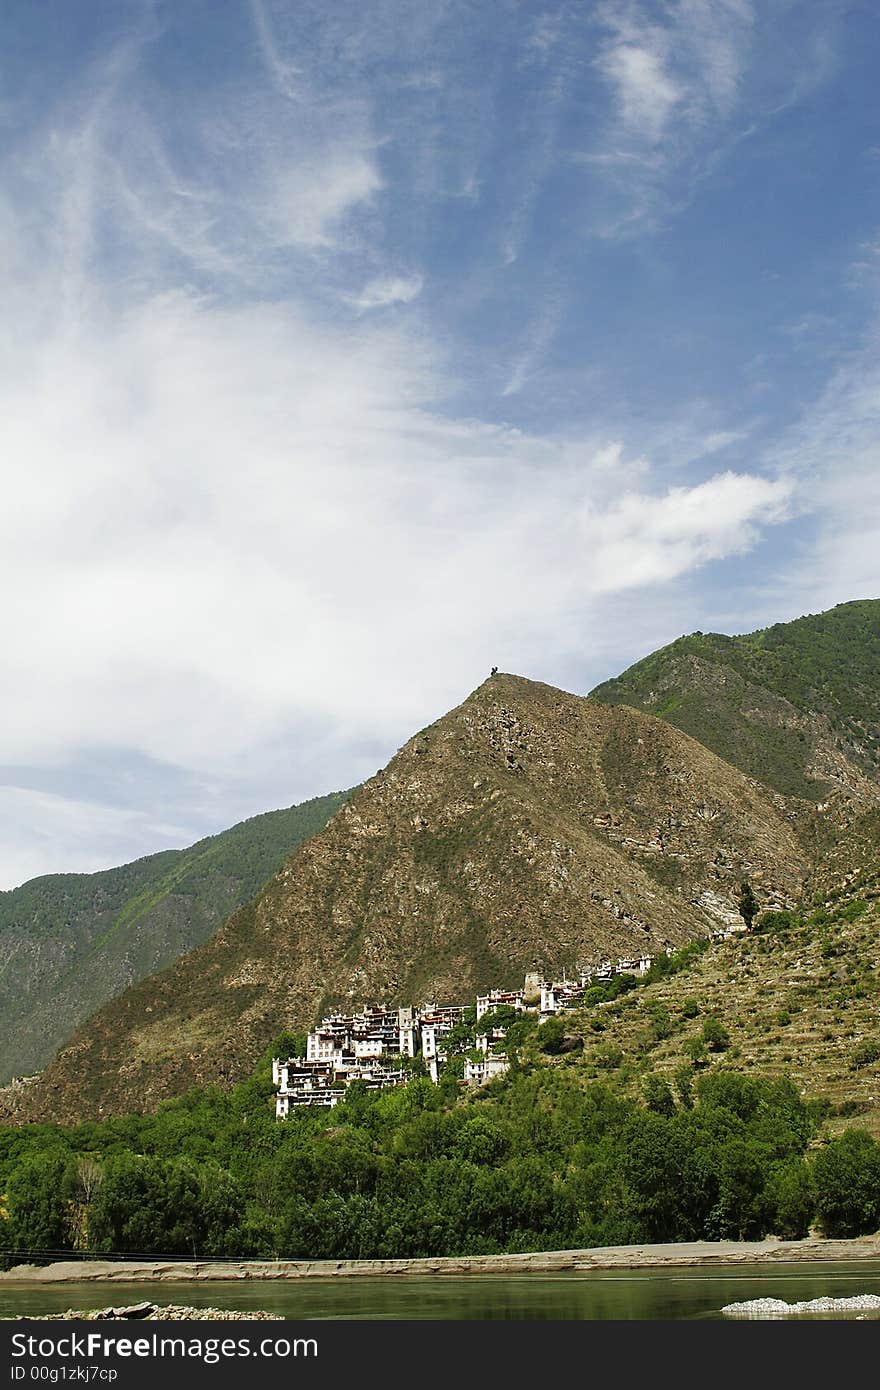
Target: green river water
{"points": [[624, 1294]]}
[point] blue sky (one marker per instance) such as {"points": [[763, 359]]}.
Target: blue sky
{"points": [[348, 350]]}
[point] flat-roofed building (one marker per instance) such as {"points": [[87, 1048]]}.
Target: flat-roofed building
{"points": [[486, 1069], [511, 998]]}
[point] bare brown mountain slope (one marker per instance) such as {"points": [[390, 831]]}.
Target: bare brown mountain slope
{"points": [[527, 827]]}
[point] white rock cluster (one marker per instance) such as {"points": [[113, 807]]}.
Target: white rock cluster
{"points": [[777, 1307], [169, 1312]]}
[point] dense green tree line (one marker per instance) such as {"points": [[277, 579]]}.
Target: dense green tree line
{"points": [[536, 1161]]}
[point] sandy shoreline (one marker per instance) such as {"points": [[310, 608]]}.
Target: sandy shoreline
{"points": [[697, 1253]]}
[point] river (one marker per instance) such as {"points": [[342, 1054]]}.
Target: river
{"points": [[621, 1294]]}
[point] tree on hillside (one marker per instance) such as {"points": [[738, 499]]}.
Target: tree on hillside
{"points": [[715, 1035], [552, 1035], [747, 906]]}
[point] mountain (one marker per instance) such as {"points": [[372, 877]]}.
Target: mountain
{"points": [[528, 828], [69, 942], [796, 705]]}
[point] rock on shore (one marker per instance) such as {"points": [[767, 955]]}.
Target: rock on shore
{"points": [[153, 1312], [778, 1308]]}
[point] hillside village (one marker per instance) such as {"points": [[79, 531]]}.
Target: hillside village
{"points": [[373, 1046]]}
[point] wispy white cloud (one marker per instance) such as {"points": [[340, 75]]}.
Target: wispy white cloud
{"points": [[686, 61], [832, 451], [676, 82], [309, 199], [540, 337], [111, 191], [686, 527], [611, 159], [646, 95], [546, 50], [285, 75], [386, 290], [537, 158], [717, 36]]}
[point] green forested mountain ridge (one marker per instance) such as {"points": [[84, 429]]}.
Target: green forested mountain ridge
{"points": [[796, 705], [69, 942], [528, 828]]}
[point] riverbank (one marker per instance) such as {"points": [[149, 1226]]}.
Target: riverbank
{"points": [[696, 1253]]}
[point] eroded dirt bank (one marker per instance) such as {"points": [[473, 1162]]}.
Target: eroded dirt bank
{"points": [[545, 1262]]}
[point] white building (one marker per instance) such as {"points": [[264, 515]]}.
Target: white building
{"points": [[432, 1034], [511, 998], [491, 1065], [633, 965], [562, 994], [484, 1041], [318, 1083]]}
